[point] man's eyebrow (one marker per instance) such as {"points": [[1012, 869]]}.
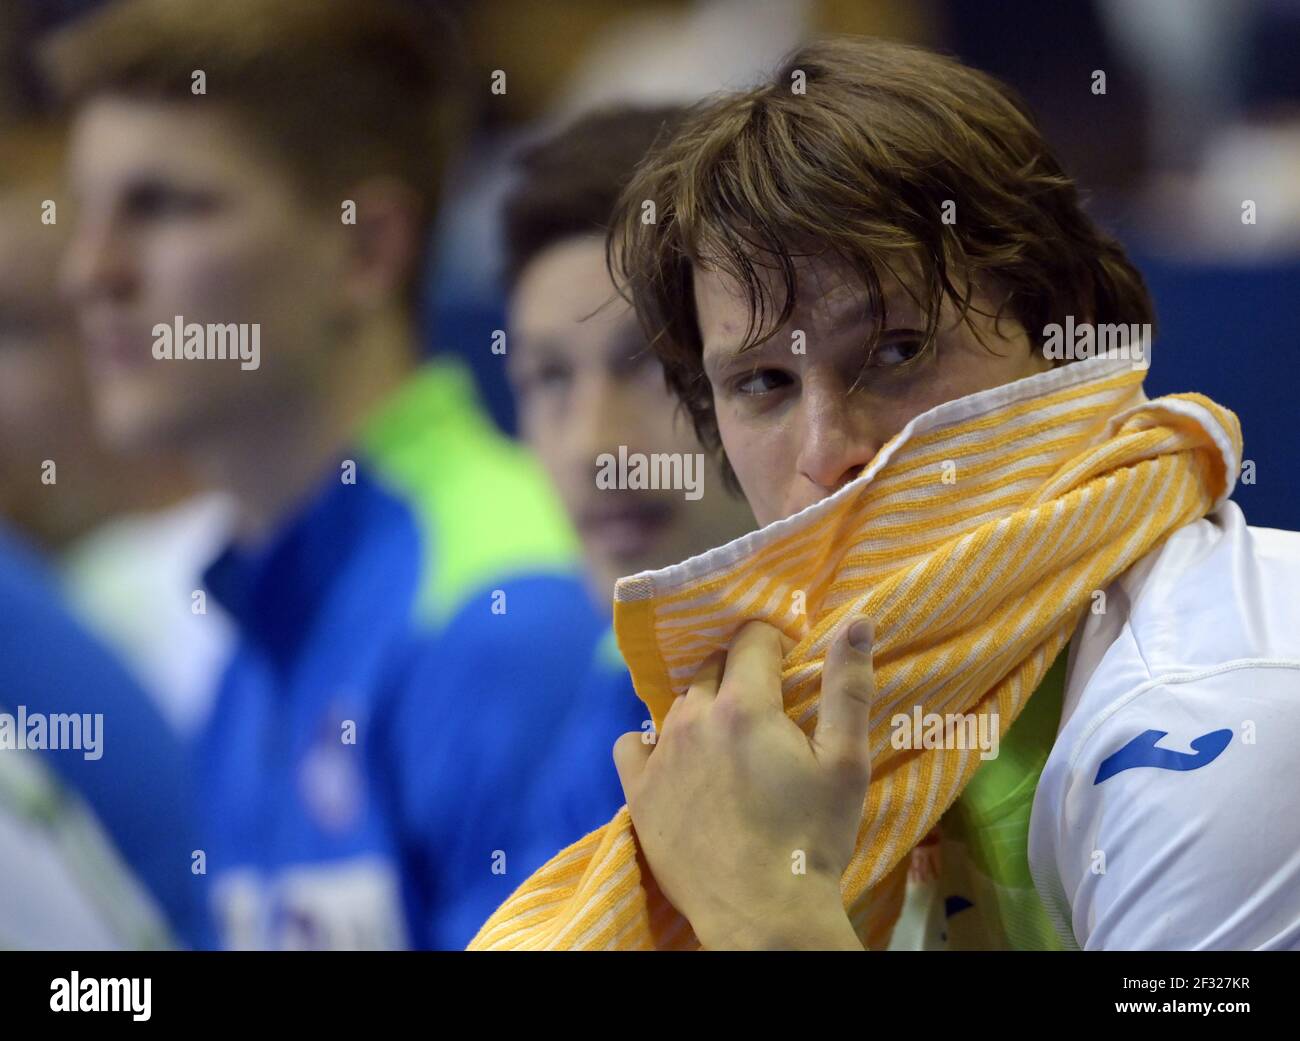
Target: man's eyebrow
{"points": [[853, 311], [523, 349], [534, 344], [627, 339], [842, 315], [717, 356]]}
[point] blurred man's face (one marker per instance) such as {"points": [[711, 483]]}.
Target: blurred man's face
{"points": [[796, 427], [588, 385], [182, 213]]}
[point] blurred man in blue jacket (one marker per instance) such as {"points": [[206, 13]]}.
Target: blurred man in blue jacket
{"points": [[254, 186]]}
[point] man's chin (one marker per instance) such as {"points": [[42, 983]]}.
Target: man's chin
{"points": [[133, 429]]}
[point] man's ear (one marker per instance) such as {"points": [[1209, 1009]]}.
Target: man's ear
{"points": [[386, 241]]}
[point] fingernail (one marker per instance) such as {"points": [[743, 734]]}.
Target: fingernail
{"points": [[861, 634]]}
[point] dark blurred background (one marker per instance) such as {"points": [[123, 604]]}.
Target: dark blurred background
{"points": [[1201, 111]]}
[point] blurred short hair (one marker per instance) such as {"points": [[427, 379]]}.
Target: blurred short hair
{"points": [[341, 90], [567, 183]]}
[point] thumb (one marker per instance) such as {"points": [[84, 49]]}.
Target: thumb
{"points": [[842, 737], [631, 753]]}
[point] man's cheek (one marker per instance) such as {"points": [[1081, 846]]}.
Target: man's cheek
{"points": [[571, 477], [185, 280], [765, 487], [219, 273]]}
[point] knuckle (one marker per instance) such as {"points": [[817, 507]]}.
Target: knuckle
{"points": [[851, 768], [626, 745], [733, 715], [681, 722], [859, 687]]}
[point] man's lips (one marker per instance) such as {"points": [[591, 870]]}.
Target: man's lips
{"points": [[624, 529], [118, 347]]}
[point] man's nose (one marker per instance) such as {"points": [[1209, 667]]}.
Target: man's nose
{"points": [[95, 265], [837, 441], [601, 421]]}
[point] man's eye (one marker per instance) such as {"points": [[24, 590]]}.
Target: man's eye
{"points": [[546, 378], [635, 361], [761, 381], [153, 201], [896, 352]]}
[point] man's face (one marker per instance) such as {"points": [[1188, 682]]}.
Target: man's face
{"points": [[586, 383], [181, 213], [796, 427]]}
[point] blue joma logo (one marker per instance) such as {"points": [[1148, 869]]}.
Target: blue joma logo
{"points": [[1143, 751]]}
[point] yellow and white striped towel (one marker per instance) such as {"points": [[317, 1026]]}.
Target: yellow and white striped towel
{"points": [[974, 541]]}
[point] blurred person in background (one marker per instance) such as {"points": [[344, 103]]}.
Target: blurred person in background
{"points": [[585, 383], [96, 841], [93, 854], [401, 576], [129, 534], [44, 410]]}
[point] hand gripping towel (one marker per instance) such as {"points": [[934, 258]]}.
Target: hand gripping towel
{"points": [[975, 541]]}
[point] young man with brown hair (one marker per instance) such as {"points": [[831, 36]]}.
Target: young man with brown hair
{"points": [[856, 275]]}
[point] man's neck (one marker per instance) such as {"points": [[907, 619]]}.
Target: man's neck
{"points": [[271, 463]]}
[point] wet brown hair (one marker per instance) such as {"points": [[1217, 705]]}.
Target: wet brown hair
{"points": [[857, 167]]}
